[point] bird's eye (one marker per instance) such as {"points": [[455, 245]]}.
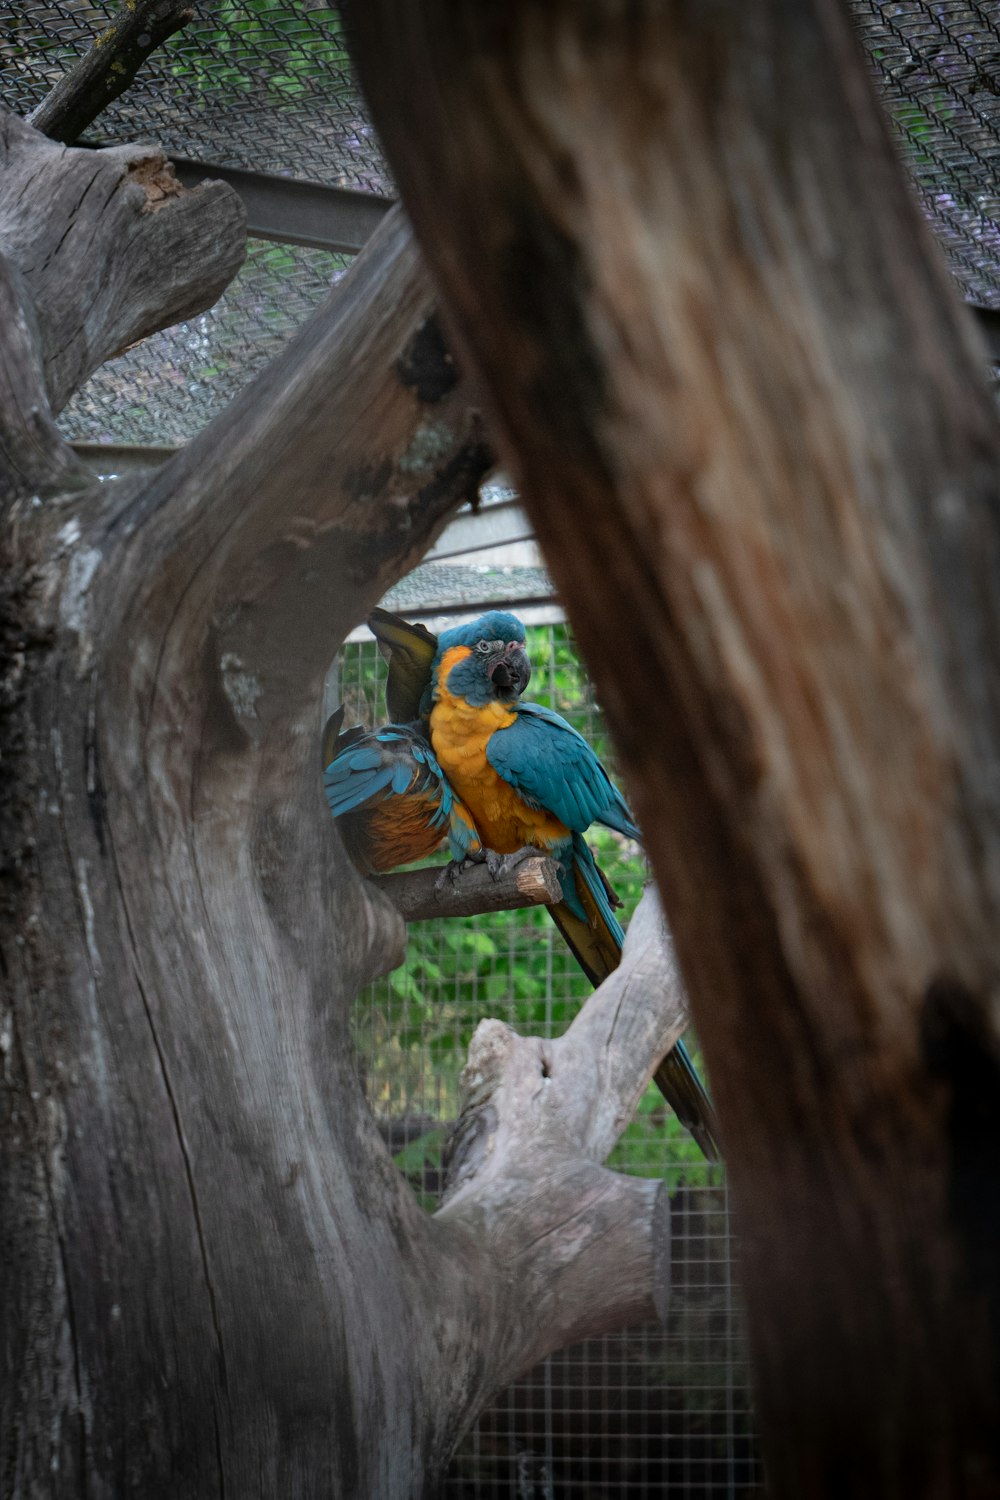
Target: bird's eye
{"points": [[489, 648]]}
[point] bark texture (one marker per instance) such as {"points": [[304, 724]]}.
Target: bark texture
{"points": [[215, 1282], [751, 426], [429, 895], [102, 262]]}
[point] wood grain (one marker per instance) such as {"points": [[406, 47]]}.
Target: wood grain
{"points": [[216, 1282], [726, 365]]}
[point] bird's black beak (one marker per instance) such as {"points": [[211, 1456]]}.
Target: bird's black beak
{"points": [[512, 673]]}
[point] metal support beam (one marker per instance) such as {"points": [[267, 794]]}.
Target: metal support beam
{"points": [[294, 212], [115, 460]]}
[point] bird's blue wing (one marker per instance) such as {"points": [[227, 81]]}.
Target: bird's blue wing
{"points": [[373, 766], [552, 766], [396, 803]]}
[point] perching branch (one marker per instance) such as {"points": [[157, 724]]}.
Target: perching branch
{"points": [[425, 895], [108, 67]]}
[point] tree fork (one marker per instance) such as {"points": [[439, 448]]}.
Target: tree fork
{"points": [[748, 415], [214, 1280]]}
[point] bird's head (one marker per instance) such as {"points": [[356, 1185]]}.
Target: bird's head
{"points": [[483, 661]]}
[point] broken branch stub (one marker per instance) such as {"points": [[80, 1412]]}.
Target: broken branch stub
{"points": [[91, 301], [594, 1074]]}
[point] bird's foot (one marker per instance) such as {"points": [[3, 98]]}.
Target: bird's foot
{"points": [[502, 865], [453, 870]]}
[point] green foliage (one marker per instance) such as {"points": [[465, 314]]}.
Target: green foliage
{"points": [[419, 1160], [289, 51]]}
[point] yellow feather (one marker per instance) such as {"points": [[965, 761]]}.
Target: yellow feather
{"points": [[459, 733]]}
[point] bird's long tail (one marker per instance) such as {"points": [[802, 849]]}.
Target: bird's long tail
{"points": [[595, 939]]}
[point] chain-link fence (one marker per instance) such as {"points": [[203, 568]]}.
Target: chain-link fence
{"points": [[937, 67], [247, 83], [267, 86], [620, 1416], [167, 388]]}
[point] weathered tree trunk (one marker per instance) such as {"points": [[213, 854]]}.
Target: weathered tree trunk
{"points": [[213, 1280], [751, 427]]}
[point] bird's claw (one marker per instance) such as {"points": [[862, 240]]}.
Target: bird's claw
{"points": [[449, 876], [502, 865]]}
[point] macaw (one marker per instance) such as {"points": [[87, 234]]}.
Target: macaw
{"points": [[391, 800], [528, 778]]}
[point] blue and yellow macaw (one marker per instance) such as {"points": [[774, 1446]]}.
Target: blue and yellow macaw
{"points": [[390, 797], [528, 778]]}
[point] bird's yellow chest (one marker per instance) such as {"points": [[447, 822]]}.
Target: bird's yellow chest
{"points": [[460, 733]]}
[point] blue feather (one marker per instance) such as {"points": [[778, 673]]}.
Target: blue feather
{"points": [[552, 766], [365, 759], [585, 866], [392, 765], [366, 787]]}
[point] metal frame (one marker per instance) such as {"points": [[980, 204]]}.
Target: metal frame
{"points": [[295, 212]]}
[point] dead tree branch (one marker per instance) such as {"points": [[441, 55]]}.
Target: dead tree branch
{"points": [[89, 300], [210, 1177], [538, 1120], [195, 1184], [108, 67]]}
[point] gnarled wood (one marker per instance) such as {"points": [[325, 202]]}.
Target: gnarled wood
{"points": [[538, 1119], [220, 1284], [749, 420], [110, 246]]}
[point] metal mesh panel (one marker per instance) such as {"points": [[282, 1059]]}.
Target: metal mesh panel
{"points": [[625, 1415], [166, 388], [938, 70], [247, 83]]}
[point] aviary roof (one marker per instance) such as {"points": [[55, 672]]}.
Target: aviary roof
{"points": [[268, 88]]}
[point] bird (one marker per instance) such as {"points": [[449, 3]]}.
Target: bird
{"points": [[409, 649], [392, 802], [529, 779]]}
